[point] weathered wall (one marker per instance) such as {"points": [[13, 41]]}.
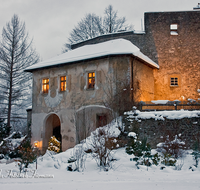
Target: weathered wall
{"points": [[143, 81], [129, 70], [108, 71], [86, 120], [64, 104], [178, 55]]}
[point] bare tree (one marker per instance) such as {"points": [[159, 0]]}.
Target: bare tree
{"points": [[111, 21], [89, 27], [92, 25], [16, 53]]}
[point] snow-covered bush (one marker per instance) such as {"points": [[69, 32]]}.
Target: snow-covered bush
{"points": [[196, 153], [79, 156], [140, 149], [175, 148], [9, 145], [27, 154], [196, 156], [168, 160], [155, 159], [102, 142], [1, 156]]}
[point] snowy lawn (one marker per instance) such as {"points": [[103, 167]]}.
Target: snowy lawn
{"points": [[122, 175]]}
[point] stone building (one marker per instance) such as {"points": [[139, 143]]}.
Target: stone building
{"points": [[171, 40], [70, 91]]}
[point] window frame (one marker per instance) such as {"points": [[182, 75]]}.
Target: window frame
{"points": [[46, 85], [174, 81], [92, 77], [174, 29], [65, 83]]}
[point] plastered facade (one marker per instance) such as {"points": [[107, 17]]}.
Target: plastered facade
{"points": [[76, 109]]}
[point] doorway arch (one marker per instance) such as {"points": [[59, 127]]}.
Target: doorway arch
{"points": [[52, 128]]}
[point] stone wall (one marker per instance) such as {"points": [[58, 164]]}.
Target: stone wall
{"points": [[178, 55], [156, 130]]}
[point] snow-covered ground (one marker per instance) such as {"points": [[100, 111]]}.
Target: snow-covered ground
{"points": [[52, 171], [122, 175]]}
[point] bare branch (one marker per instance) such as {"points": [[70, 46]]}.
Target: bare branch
{"points": [[92, 25]]}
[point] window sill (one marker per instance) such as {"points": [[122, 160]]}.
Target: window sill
{"points": [[62, 91], [44, 94], [90, 89], [173, 86]]}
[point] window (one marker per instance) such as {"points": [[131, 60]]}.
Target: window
{"points": [[173, 29], [63, 83], [91, 80], [101, 120], [45, 85], [174, 81]]}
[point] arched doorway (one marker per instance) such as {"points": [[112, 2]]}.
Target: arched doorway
{"points": [[90, 117], [52, 128]]}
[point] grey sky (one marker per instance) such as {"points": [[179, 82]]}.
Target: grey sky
{"points": [[50, 21]]}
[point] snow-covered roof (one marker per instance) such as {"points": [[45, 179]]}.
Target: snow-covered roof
{"points": [[29, 108], [112, 47]]}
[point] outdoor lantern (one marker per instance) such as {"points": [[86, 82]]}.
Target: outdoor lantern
{"points": [[36, 144]]}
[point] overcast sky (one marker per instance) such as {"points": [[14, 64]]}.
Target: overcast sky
{"points": [[49, 22]]}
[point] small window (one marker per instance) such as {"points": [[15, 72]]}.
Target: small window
{"points": [[174, 29], [45, 85], [174, 81], [91, 80], [101, 120], [63, 84]]}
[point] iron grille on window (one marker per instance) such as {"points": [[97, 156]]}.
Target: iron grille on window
{"points": [[174, 81]]}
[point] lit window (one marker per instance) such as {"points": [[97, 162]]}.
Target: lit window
{"points": [[63, 83], [45, 85], [91, 80], [174, 81], [174, 29]]}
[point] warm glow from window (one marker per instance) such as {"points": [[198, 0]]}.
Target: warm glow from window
{"points": [[91, 80], [63, 84], [45, 85]]}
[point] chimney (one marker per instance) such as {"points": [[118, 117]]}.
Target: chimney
{"points": [[197, 7]]}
